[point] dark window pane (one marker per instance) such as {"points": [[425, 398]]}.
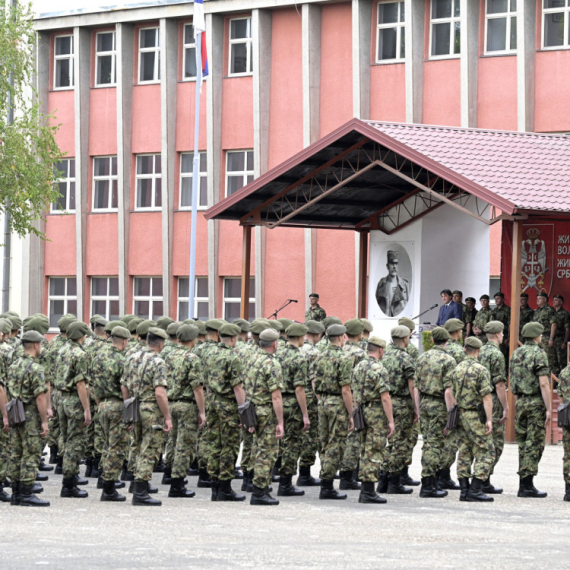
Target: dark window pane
{"points": [[440, 39], [99, 308], [457, 8], [387, 40], [157, 164], [115, 195], [71, 286], [142, 309], [56, 286], [144, 164], [441, 8], [249, 179], [251, 312], [147, 66], [186, 192], [554, 3], [72, 195], [72, 168], [99, 286], [190, 62], [182, 310], [496, 34], [202, 311], [186, 162], [239, 29], [203, 162], [554, 29], [402, 12], [157, 310], [61, 203], [236, 161], [250, 160], [234, 184], [497, 6], [114, 311], [388, 13], [105, 41], [188, 34], [202, 287], [114, 286], [63, 73], [142, 287], [457, 39], [101, 199], [402, 42], [101, 166], [105, 70], [72, 307], [232, 287], [157, 286], [239, 58], [158, 193], [55, 312], [203, 198], [60, 168], [232, 311], [149, 38], [513, 5], [144, 193], [114, 165], [513, 42], [63, 45], [183, 287]]}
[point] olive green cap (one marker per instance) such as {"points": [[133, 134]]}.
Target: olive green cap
{"points": [[296, 329], [163, 322], [276, 325], [494, 327], [33, 336], [64, 322], [172, 328], [112, 324], [328, 321], [133, 324], [376, 341], [286, 323], [314, 327], [157, 331], [121, 332], [243, 325], [13, 313], [258, 327], [94, 318], [532, 330], [200, 324], [368, 327], [542, 294], [228, 330], [354, 327], [484, 297], [36, 324], [400, 332], [186, 333], [439, 334], [16, 323], [77, 330], [128, 318], [269, 335], [100, 322], [454, 325], [407, 322], [5, 326], [473, 342], [214, 324], [144, 327], [336, 330]]}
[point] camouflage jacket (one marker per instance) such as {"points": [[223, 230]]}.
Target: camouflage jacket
{"points": [[50, 356], [528, 363], [355, 352], [247, 353], [202, 350], [295, 369], [71, 366], [107, 373], [526, 316], [97, 344], [150, 373], [223, 370], [333, 369], [546, 316], [363, 344], [169, 347], [433, 372], [26, 379], [564, 385], [562, 323], [502, 314], [134, 348], [264, 376], [482, 318], [470, 383], [185, 374], [323, 344], [493, 360], [282, 345], [369, 381], [413, 351], [456, 350], [401, 368], [315, 314], [132, 362], [311, 353]]}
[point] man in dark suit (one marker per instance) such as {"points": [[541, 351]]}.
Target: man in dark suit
{"points": [[449, 309]]}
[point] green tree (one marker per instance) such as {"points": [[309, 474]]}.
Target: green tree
{"points": [[28, 149]]}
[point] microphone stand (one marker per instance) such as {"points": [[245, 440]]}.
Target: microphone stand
{"points": [[426, 311], [286, 304]]}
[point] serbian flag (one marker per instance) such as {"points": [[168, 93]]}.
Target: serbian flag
{"points": [[200, 28]]}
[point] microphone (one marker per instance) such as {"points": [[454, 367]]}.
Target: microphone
{"points": [[293, 300], [436, 305]]}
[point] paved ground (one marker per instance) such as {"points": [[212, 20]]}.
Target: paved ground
{"points": [[408, 532]]}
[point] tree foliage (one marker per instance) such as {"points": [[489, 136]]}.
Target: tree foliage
{"points": [[28, 149]]}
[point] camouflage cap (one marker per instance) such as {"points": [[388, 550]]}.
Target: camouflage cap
{"points": [[186, 333], [100, 322], [542, 294], [243, 325], [524, 295], [558, 296], [229, 330], [214, 324], [158, 332], [133, 324], [400, 332], [201, 327], [439, 334], [33, 336], [36, 324], [296, 330], [172, 328], [121, 332], [112, 324], [5, 326], [354, 327], [336, 330], [473, 342], [286, 323], [407, 322], [328, 321], [94, 318], [257, 327], [12, 313], [16, 323], [144, 326], [494, 327], [376, 341], [163, 322], [314, 327], [128, 318], [276, 325], [368, 327], [532, 330], [454, 325], [471, 299], [269, 335], [77, 330], [64, 322], [499, 294], [484, 297]]}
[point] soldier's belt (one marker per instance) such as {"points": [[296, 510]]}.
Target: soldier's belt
{"points": [[372, 403], [111, 399], [430, 396], [227, 399], [325, 394], [537, 395], [184, 401]]}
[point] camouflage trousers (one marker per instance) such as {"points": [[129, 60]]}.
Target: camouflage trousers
{"points": [[530, 433], [498, 430], [450, 445], [26, 447], [4, 454], [550, 353], [53, 422], [398, 446], [475, 445], [310, 439], [247, 446], [372, 441], [265, 446], [183, 437], [412, 443], [433, 418], [351, 452], [115, 438], [151, 440], [94, 435], [290, 445], [203, 438], [333, 430], [223, 440], [566, 459], [71, 422], [135, 438], [560, 356]]}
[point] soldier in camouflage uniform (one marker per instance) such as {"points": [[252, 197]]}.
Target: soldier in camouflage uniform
{"points": [[5, 361], [502, 313], [405, 406], [471, 389], [26, 381], [546, 316], [315, 312], [457, 297], [526, 312], [106, 373], [560, 348], [564, 395], [433, 383], [72, 381], [529, 383], [370, 390], [323, 344], [172, 343], [482, 318], [469, 315], [368, 328]]}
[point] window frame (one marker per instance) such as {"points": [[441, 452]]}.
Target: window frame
{"points": [[65, 298], [151, 298], [226, 300], [113, 55], [196, 298], [157, 60], [509, 15], [201, 174], [399, 25], [153, 177], [108, 298], [70, 56], [451, 20], [68, 182], [245, 173], [249, 47], [566, 11], [111, 177]]}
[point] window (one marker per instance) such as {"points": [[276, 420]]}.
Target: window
{"points": [[65, 170], [62, 298], [200, 298], [232, 298], [147, 297], [149, 182], [105, 48], [149, 55], [239, 170], [391, 36], [445, 28], [501, 26], [240, 47], [105, 297], [105, 183], [189, 52], [63, 62], [186, 173], [555, 22]]}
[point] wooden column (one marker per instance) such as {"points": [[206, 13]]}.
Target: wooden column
{"points": [[245, 272], [362, 275], [515, 319]]}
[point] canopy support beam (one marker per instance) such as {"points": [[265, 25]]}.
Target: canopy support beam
{"points": [[363, 275], [245, 272]]}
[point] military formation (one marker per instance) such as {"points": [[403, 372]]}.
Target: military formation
{"points": [[133, 397]]}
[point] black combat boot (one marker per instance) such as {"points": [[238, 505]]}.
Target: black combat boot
{"points": [[150, 489], [37, 489], [124, 470], [395, 486], [28, 499], [464, 484], [44, 467], [368, 495], [16, 494], [53, 454], [567, 493], [129, 476], [40, 477], [261, 496], [328, 491], [141, 496], [238, 474], [119, 485], [178, 490], [445, 481], [347, 483], [88, 466], [245, 480], [489, 488], [382, 483], [59, 465], [429, 489], [407, 480], [4, 497], [96, 472], [275, 471], [305, 478], [286, 487], [249, 488], [80, 480], [527, 489], [215, 486], [71, 490], [193, 471], [226, 493], [203, 479], [101, 482], [110, 493], [167, 475], [475, 494], [159, 467]]}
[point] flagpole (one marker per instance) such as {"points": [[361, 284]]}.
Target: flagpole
{"points": [[195, 180]]}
